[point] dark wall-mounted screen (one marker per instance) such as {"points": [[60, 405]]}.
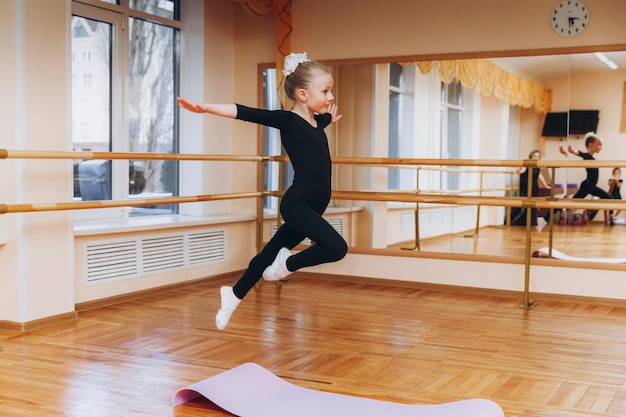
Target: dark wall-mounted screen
{"points": [[555, 125], [580, 122], [583, 121]]}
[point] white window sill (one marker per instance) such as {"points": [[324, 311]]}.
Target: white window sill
{"points": [[154, 223]]}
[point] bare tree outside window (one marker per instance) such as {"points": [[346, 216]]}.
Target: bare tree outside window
{"points": [[152, 88]]}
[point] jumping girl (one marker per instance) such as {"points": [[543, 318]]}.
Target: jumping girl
{"points": [[309, 84]]}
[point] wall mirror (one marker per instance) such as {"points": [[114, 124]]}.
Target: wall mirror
{"points": [[421, 110]]}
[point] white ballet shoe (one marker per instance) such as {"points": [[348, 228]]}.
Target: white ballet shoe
{"points": [[278, 269], [541, 223], [229, 303]]}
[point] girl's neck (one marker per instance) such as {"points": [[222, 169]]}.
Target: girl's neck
{"points": [[303, 111]]}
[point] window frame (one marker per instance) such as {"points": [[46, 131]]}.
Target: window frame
{"points": [[118, 16]]}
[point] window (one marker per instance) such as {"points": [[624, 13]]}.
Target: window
{"points": [[454, 125], [400, 135], [129, 72]]}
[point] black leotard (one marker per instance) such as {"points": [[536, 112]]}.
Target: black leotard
{"points": [[590, 184], [307, 147]]}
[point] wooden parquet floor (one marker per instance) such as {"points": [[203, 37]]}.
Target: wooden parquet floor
{"points": [[397, 344]]}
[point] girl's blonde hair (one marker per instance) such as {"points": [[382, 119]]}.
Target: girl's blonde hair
{"points": [[302, 76]]}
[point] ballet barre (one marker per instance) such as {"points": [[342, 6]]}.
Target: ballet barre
{"points": [[529, 163], [519, 202], [82, 205], [383, 162], [417, 196], [25, 154]]}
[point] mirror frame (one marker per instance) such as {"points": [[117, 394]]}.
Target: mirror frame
{"points": [[456, 56]]}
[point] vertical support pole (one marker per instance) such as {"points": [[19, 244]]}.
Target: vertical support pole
{"points": [[416, 212], [260, 175], [530, 205], [551, 223], [480, 194], [260, 213], [278, 284]]}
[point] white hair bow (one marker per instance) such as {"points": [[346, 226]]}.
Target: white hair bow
{"points": [[292, 61]]}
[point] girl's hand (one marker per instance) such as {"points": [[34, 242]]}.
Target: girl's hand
{"points": [[562, 150], [332, 109], [571, 150], [188, 105]]}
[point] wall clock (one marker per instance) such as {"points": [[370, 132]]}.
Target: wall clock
{"points": [[569, 18]]}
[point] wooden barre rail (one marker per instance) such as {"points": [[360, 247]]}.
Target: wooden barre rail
{"points": [[542, 163], [389, 196], [530, 163], [81, 205], [19, 154], [537, 202]]}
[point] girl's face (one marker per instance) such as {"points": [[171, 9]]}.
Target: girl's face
{"points": [[535, 155], [319, 93], [595, 146]]}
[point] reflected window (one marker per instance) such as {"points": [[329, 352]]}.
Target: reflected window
{"points": [[455, 143], [400, 135]]}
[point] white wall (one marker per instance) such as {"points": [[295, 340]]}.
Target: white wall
{"points": [[37, 273]]}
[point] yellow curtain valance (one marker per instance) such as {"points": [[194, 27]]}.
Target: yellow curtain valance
{"points": [[489, 79]]}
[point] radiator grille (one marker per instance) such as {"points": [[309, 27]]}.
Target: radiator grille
{"points": [[119, 259]]}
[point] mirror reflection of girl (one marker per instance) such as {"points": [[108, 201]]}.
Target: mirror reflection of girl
{"points": [[615, 183], [309, 84], [538, 182], [589, 186]]}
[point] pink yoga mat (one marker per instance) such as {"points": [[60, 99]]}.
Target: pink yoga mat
{"points": [[250, 390]]}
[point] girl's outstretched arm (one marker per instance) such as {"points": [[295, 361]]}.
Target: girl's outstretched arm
{"points": [[224, 110], [333, 112], [572, 151]]}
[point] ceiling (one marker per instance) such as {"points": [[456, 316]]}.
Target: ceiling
{"points": [[553, 66]]}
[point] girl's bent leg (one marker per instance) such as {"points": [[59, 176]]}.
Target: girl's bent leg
{"points": [[278, 269], [285, 237], [329, 245]]}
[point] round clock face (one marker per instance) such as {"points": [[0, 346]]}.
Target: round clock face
{"points": [[569, 18]]}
